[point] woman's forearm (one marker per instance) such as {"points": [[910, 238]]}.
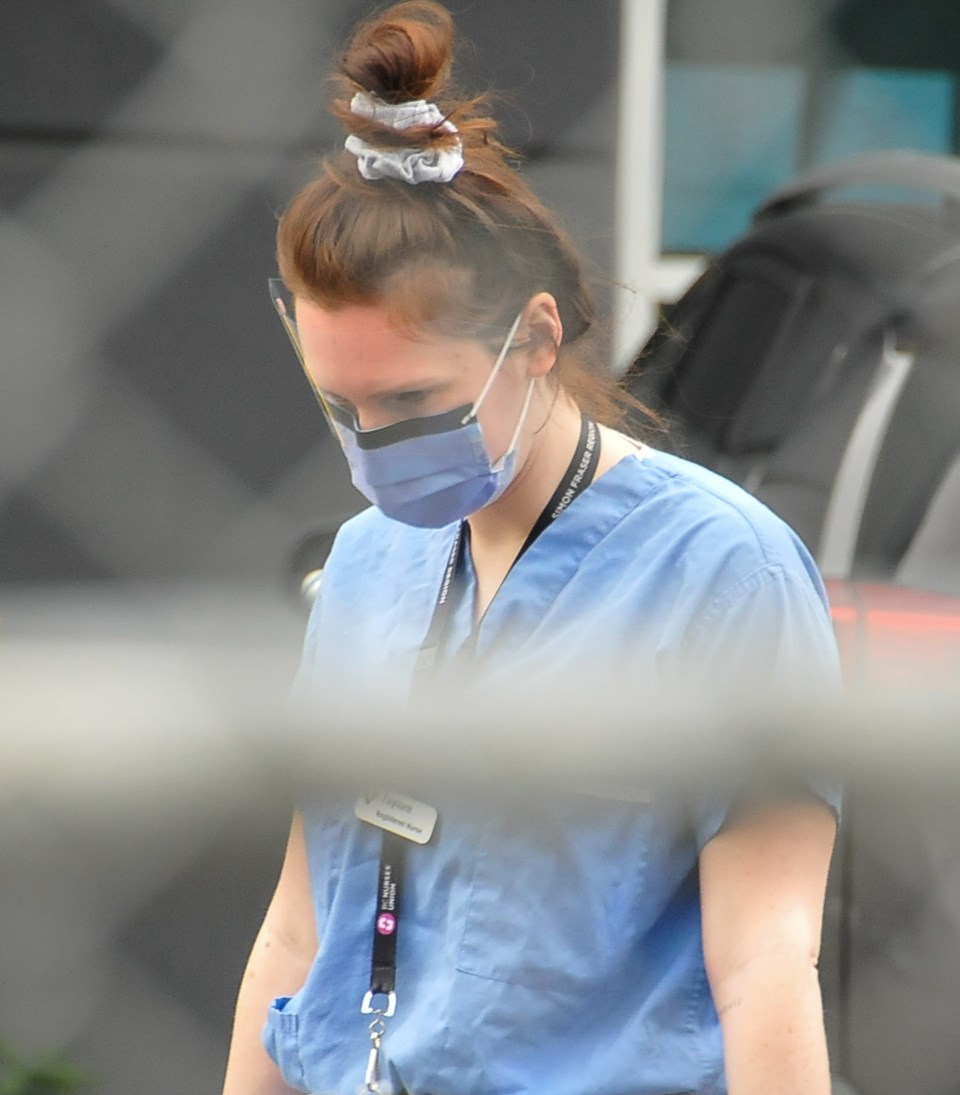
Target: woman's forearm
{"points": [[774, 1039], [278, 965], [274, 969]]}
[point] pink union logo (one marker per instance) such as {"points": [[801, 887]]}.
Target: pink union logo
{"points": [[386, 924]]}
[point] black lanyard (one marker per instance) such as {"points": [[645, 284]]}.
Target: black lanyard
{"points": [[383, 964], [578, 476], [386, 922], [383, 967]]}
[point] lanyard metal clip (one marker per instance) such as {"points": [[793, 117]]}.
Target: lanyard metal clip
{"points": [[371, 1078], [367, 1008]]}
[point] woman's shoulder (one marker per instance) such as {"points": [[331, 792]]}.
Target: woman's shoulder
{"points": [[378, 585], [369, 544], [693, 501], [742, 586], [696, 529]]}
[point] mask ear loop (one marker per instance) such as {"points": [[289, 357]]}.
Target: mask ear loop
{"points": [[504, 350], [516, 433]]}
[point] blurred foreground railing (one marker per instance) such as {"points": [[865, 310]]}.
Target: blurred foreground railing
{"points": [[101, 718], [145, 788]]}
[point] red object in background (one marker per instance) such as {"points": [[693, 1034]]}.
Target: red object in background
{"points": [[894, 637]]}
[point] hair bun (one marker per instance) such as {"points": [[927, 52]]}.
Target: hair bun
{"points": [[404, 53]]}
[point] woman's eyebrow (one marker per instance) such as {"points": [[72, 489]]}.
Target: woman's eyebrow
{"points": [[389, 393]]}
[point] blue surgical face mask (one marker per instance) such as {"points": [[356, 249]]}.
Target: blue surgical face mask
{"points": [[435, 470]]}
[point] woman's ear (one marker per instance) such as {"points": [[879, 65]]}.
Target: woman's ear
{"points": [[541, 326]]}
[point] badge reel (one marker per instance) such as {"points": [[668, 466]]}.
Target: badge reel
{"points": [[402, 820]]}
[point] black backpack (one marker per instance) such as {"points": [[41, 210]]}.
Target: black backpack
{"points": [[817, 360]]}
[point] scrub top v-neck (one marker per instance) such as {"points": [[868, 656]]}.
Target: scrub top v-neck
{"points": [[459, 589], [637, 569]]}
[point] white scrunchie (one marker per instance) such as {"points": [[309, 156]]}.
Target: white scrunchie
{"points": [[409, 165]]}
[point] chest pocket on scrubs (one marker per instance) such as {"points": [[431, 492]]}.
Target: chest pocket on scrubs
{"points": [[556, 892]]}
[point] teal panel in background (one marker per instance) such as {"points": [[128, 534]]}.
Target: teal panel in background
{"points": [[871, 110], [731, 136]]}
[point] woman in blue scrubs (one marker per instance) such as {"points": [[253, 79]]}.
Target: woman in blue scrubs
{"points": [[642, 941]]}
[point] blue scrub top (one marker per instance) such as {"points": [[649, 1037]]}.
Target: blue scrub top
{"points": [[549, 945]]}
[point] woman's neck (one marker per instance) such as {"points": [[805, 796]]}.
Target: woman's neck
{"points": [[543, 460], [499, 531]]}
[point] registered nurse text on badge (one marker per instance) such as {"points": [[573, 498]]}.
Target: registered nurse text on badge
{"points": [[395, 813]]}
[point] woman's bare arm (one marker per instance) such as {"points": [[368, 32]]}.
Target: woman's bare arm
{"points": [[763, 879], [278, 965]]}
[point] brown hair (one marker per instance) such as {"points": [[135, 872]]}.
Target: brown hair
{"points": [[466, 254]]}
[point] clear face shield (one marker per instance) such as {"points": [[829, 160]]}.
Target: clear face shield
{"points": [[282, 300], [427, 471]]}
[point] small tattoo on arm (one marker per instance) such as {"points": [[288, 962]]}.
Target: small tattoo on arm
{"points": [[730, 1005]]}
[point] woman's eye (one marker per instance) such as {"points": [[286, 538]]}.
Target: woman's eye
{"points": [[411, 398]]}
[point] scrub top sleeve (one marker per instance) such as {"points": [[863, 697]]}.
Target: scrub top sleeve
{"points": [[770, 630], [315, 656], [309, 651]]}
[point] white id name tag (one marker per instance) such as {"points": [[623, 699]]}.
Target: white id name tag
{"points": [[397, 814]]}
